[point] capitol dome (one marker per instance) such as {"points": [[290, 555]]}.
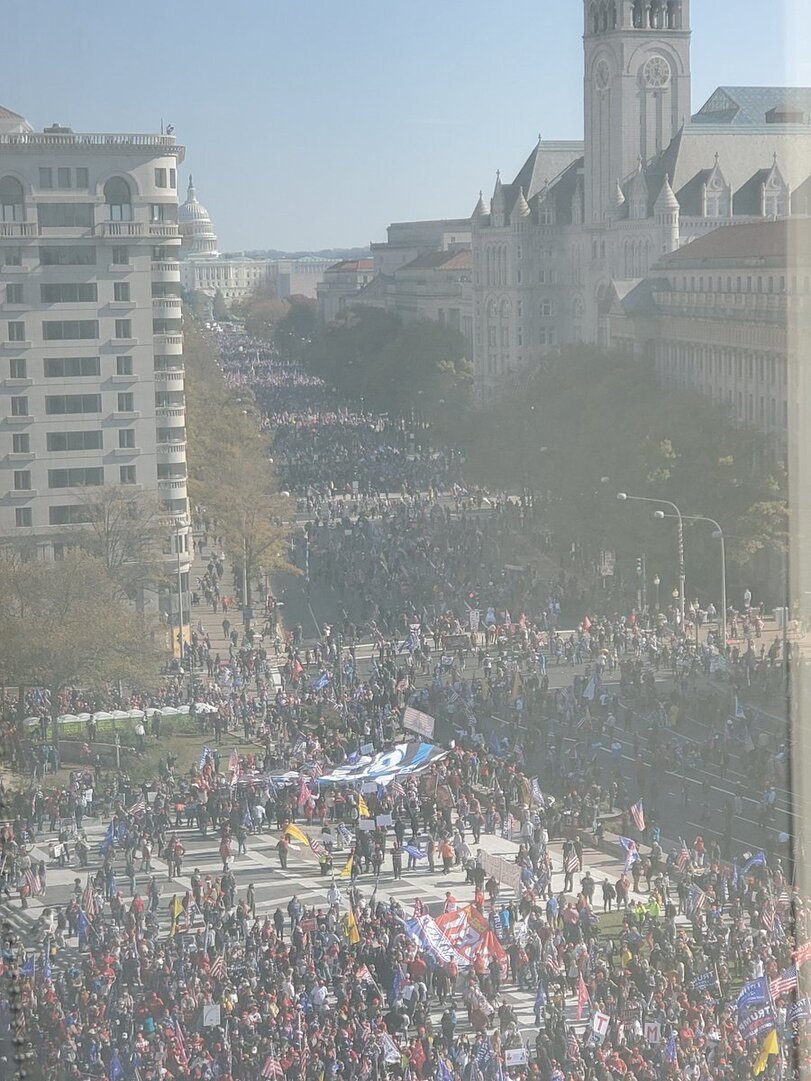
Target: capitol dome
{"points": [[196, 229]]}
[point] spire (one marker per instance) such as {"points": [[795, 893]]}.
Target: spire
{"points": [[498, 190], [666, 200], [521, 208], [191, 194], [481, 209], [618, 198]]}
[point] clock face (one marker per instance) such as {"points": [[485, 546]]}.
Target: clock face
{"points": [[656, 72], [602, 75]]}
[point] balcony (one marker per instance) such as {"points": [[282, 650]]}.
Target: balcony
{"points": [[18, 229], [166, 305], [119, 229], [171, 412], [165, 271], [174, 452], [172, 487], [165, 230], [170, 380], [167, 341]]}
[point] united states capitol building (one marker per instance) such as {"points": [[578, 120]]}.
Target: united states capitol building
{"points": [[234, 277]]}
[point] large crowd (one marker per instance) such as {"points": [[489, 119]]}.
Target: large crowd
{"points": [[140, 977]]}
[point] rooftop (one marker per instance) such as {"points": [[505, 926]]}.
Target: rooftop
{"points": [[754, 240], [441, 260]]}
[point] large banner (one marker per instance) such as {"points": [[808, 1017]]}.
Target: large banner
{"points": [[432, 940], [403, 759], [471, 935]]}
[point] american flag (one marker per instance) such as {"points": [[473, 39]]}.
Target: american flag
{"points": [[89, 901], [139, 807], [572, 865], [803, 953], [396, 789], [696, 899], [572, 1046], [638, 815], [683, 857], [217, 970], [179, 1045], [33, 882], [554, 964], [272, 1067], [784, 983]]}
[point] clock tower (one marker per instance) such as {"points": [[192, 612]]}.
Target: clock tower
{"points": [[637, 89]]}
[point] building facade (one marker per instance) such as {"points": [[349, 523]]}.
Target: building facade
{"points": [[91, 343], [714, 317], [648, 178], [342, 281]]}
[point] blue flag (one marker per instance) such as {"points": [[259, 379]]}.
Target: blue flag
{"points": [[417, 853], [758, 860], [396, 983], [671, 1055], [753, 994], [116, 1070], [29, 966]]}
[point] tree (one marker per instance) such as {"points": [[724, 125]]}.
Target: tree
{"points": [[64, 625], [298, 327], [126, 531], [219, 309]]}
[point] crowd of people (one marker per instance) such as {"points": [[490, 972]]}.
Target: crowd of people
{"points": [[141, 977]]}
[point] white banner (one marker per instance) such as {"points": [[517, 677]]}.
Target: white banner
{"points": [[599, 1025], [515, 1056], [653, 1032], [417, 721]]}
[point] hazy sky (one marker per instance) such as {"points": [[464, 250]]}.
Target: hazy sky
{"points": [[314, 123]]}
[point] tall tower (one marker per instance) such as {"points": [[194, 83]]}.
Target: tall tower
{"points": [[637, 88]]}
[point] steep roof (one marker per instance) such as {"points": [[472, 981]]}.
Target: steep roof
{"points": [[751, 106], [546, 161], [749, 240], [440, 260], [353, 264], [8, 114]]}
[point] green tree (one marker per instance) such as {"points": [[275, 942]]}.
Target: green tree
{"points": [[65, 625], [219, 309]]}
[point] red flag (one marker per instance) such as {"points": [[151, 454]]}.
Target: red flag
{"points": [[582, 995]]}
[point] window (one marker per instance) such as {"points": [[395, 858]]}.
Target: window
{"points": [[546, 308], [59, 404], [123, 328], [166, 326], [22, 516], [126, 438], [123, 365], [65, 215], [63, 178], [156, 212], [11, 256], [118, 198], [121, 291], [160, 253], [14, 293], [69, 293], [19, 405], [68, 255], [12, 200], [77, 515], [21, 443], [16, 332], [67, 367], [76, 478], [160, 178], [82, 180], [17, 368], [62, 330], [85, 440], [121, 255], [127, 474], [22, 480], [45, 178], [126, 402], [173, 178]]}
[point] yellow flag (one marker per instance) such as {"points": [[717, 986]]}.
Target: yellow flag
{"points": [[363, 808], [297, 834], [347, 871], [770, 1047], [351, 926]]}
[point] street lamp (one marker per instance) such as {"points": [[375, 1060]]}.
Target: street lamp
{"points": [[718, 534], [657, 581], [623, 496]]}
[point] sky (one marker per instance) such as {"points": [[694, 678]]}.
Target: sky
{"points": [[312, 124]]}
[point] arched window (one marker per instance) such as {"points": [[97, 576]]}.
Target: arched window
{"points": [[12, 200], [595, 19], [612, 15], [505, 309], [118, 197], [656, 15], [639, 14], [604, 17]]}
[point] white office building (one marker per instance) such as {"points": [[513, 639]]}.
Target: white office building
{"points": [[91, 345]]}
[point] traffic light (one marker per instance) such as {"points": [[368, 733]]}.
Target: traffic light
{"points": [[639, 566]]}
